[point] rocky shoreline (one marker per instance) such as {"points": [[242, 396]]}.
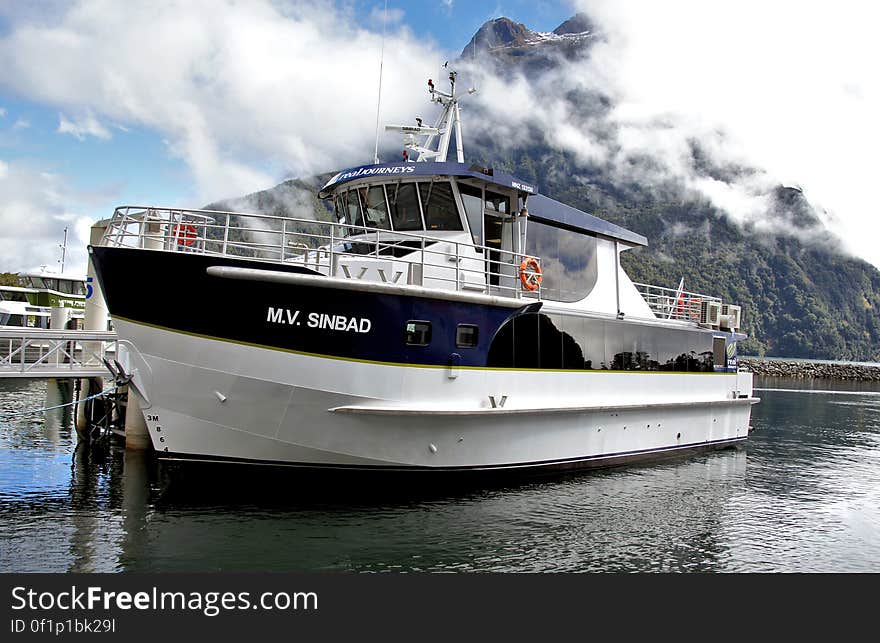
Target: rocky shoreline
{"points": [[810, 370]]}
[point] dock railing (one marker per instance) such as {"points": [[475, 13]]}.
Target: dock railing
{"points": [[330, 248], [37, 352]]}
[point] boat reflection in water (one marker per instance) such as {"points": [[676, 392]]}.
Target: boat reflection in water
{"points": [[802, 497]]}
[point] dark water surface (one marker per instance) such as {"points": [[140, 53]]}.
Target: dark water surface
{"points": [[802, 496]]}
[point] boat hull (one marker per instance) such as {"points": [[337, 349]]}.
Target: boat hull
{"points": [[263, 384], [263, 406]]}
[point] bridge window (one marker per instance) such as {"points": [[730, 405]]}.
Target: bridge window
{"points": [[375, 208], [405, 214], [439, 206], [418, 333], [473, 206], [348, 208]]}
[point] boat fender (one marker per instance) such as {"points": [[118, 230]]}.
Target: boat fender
{"points": [[530, 273]]}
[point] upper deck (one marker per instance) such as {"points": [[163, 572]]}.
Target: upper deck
{"points": [[433, 224]]}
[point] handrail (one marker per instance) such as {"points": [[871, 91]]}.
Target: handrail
{"points": [[40, 352], [328, 247], [671, 303]]}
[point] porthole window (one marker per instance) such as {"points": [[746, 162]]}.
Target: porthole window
{"points": [[418, 333], [466, 336]]}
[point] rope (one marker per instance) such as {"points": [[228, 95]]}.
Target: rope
{"points": [[59, 406]]}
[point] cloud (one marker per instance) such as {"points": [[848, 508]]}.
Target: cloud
{"points": [[787, 87], [35, 207], [380, 15], [241, 91], [2, 112], [85, 126], [722, 104]]}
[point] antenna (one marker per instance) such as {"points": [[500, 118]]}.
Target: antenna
{"points": [[379, 99], [449, 120], [63, 247]]}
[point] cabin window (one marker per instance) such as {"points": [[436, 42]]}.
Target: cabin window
{"points": [[12, 295], [536, 340], [466, 336], [497, 203], [405, 214], [375, 208], [568, 261], [472, 198], [417, 333], [439, 206]]}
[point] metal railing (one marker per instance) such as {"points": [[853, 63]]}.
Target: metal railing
{"points": [[670, 303], [329, 248], [36, 352]]}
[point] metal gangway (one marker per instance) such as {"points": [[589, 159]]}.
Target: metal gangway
{"points": [[37, 353]]}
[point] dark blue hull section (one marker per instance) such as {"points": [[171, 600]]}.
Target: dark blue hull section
{"points": [[174, 291]]}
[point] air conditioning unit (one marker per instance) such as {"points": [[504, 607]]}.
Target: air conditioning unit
{"points": [[734, 315], [710, 313]]}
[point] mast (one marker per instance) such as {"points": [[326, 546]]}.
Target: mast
{"points": [[441, 133], [63, 247]]}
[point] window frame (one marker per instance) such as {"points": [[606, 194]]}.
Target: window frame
{"points": [[476, 340], [418, 321]]}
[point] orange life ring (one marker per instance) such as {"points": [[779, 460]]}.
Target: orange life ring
{"points": [[185, 234], [530, 273]]}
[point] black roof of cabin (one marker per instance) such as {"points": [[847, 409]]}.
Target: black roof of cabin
{"points": [[541, 208]]}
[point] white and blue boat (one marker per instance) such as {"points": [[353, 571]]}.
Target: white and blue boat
{"points": [[449, 318]]}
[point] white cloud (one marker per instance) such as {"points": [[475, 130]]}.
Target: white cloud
{"points": [[35, 207], [787, 90], [82, 127], [240, 90], [21, 123], [391, 16], [2, 112], [787, 87]]}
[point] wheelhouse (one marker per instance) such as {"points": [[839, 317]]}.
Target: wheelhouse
{"points": [[495, 216]]}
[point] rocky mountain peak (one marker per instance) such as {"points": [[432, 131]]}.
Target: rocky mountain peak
{"points": [[500, 32], [578, 23]]}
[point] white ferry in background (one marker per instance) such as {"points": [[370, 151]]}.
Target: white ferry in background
{"points": [[30, 303], [449, 318]]}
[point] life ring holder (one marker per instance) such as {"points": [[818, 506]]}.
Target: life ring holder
{"points": [[530, 273], [184, 234]]}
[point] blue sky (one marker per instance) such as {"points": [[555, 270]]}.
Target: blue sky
{"points": [[184, 102], [94, 163]]}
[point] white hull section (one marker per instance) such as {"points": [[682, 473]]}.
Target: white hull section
{"points": [[209, 399]]}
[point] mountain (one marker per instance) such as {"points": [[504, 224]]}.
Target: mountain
{"points": [[511, 45], [801, 296]]}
